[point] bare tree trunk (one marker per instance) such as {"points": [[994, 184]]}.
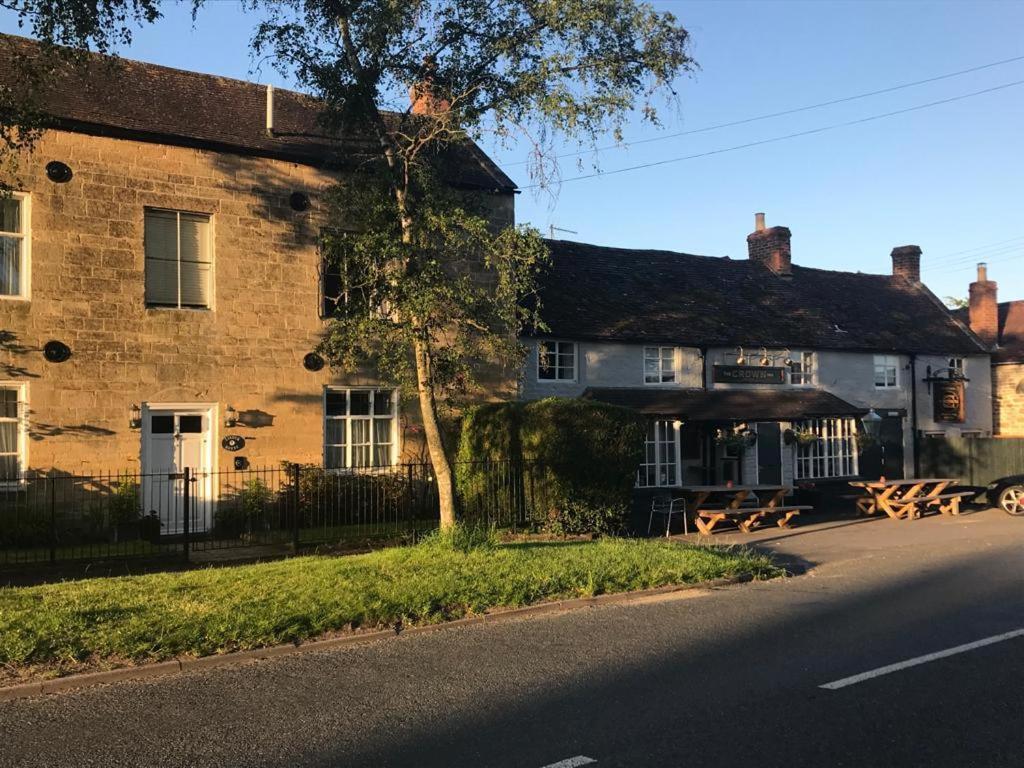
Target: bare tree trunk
{"points": [[435, 438]]}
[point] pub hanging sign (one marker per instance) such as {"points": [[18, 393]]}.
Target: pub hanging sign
{"points": [[749, 374], [948, 400]]}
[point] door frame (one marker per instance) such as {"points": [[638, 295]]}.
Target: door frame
{"points": [[757, 457], [209, 410]]}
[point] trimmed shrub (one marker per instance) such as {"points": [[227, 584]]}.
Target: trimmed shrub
{"points": [[579, 517], [579, 457], [237, 516]]}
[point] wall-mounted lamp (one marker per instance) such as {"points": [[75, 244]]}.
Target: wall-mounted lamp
{"points": [[872, 423], [765, 360], [134, 416], [740, 359], [677, 423], [230, 417]]}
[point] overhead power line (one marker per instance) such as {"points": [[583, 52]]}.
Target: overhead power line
{"points": [[947, 268], [977, 250], [787, 136], [974, 258], [783, 113]]}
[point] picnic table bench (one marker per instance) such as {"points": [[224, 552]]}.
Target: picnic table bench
{"points": [[713, 504], [909, 499]]}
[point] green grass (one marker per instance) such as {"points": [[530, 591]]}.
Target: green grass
{"points": [[101, 621]]}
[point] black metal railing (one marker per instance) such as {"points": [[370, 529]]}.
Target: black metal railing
{"points": [[52, 518]]}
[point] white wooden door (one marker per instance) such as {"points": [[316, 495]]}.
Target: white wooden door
{"points": [[174, 439]]}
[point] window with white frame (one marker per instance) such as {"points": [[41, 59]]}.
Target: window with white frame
{"points": [[660, 466], [833, 454], [179, 259], [886, 371], [556, 361], [956, 365], [801, 368], [14, 246], [12, 432], [660, 365], [360, 428]]}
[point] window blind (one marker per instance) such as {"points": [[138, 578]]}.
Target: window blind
{"points": [[178, 259]]}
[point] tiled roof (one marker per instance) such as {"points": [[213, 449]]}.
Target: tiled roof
{"points": [[1011, 331], [131, 99], [727, 404], [619, 294]]}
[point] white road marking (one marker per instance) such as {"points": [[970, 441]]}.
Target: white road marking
{"points": [[835, 685], [572, 762]]}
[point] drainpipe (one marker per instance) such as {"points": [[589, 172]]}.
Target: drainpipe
{"points": [[703, 367], [915, 443]]}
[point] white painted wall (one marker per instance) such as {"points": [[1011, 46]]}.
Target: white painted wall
{"points": [[848, 375]]}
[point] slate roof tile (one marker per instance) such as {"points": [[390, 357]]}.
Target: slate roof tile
{"points": [[630, 295], [132, 99]]}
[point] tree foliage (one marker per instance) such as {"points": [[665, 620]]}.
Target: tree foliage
{"points": [[536, 70], [459, 286]]}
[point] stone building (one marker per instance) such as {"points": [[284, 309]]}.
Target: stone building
{"points": [[1001, 327], [162, 287]]}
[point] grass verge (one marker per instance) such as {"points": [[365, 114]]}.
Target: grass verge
{"points": [[72, 626]]}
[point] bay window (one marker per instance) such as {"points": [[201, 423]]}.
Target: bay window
{"points": [[832, 454]]}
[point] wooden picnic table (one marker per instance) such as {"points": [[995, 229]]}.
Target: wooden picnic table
{"points": [[713, 504], [908, 499]]}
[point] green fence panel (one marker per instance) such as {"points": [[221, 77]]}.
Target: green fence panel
{"points": [[975, 460]]}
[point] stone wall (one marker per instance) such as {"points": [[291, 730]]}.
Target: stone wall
{"points": [[87, 263], [1008, 399]]}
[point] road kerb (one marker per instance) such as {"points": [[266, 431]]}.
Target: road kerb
{"points": [[189, 664]]}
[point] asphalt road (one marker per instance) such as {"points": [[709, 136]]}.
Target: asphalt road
{"points": [[730, 677]]}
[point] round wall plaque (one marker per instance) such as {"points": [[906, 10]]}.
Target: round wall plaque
{"points": [[313, 362], [56, 351], [58, 172], [232, 443], [299, 201]]}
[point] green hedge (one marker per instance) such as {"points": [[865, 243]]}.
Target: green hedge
{"points": [[581, 458]]}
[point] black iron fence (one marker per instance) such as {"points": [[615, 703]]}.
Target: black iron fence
{"points": [[51, 518]]}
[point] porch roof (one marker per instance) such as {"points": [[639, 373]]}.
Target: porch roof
{"points": [[727, 404]]}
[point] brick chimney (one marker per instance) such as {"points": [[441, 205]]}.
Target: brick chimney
{"points": [[770, 246], [983, 310], [906, 263], [423, 96]]}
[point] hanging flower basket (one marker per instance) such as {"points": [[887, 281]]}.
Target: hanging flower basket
{"points": [[736, 442], [804, 438]]}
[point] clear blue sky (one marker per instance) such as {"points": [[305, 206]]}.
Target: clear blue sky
{"points": [[948, 178]]}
